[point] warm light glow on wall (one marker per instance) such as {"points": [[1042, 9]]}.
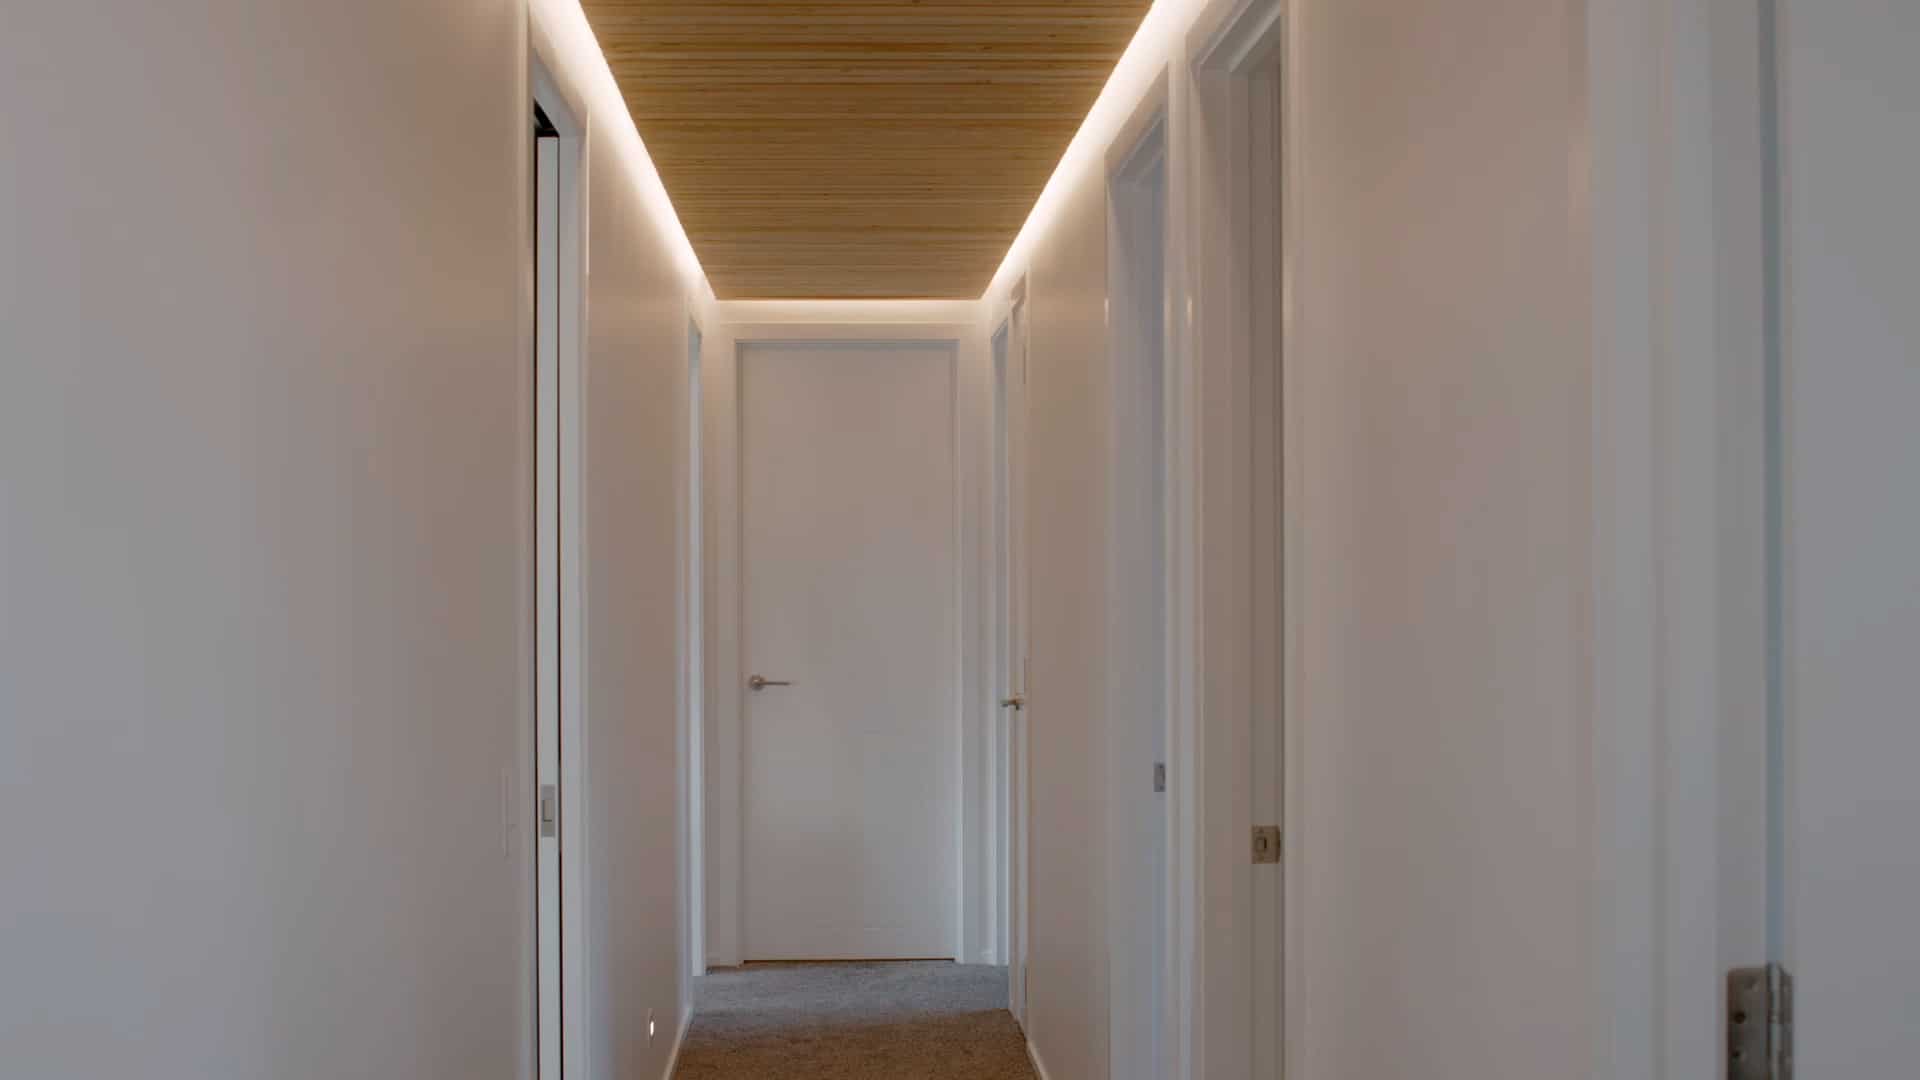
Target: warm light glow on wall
{"points": [[1161, 32], [565, 23]]}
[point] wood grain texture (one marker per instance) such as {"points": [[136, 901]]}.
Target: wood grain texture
{"points": [[858, 148]]}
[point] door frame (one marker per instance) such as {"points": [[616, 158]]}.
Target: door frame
{"points": [[1011, 833], [1142, 145], [738, 324], [695, 645], [1234, 510], [559, 968], [1672, 207]]}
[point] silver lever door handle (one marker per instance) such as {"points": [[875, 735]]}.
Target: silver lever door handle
{"points": [[760, 682], [1017, 702]]}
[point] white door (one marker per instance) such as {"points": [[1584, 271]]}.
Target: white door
{"points": [[1137, 687], [1818, 817], [1010, 420], [851, 748], [1845, 777]]}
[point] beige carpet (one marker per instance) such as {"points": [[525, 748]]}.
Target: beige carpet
{"points": [[898, 1021]]}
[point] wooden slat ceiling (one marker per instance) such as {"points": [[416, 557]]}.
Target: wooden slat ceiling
{"points": [[858, 148]]}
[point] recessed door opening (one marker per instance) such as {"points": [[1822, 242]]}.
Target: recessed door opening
{"points": [[1138, 585], [1009, 660], [1239, 316], [855, 761], [557, 795], [693, 704]]}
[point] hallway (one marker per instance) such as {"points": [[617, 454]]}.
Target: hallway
{"points": [[931, 1020], [959, 539]]}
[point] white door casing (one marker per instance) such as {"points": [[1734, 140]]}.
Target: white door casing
{"points": [[1756, 406], [1236, 406], [1010, 663], [849, 574], [1137, 690], [1845, 841]]}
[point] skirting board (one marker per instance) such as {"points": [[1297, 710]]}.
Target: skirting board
{"points": [[679, 1041], [1039, 1067]]}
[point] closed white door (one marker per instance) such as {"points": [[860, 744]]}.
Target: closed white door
{"points": [[1818, 825], [1846, 739], [1137, 608], [1010, 643], [850, 614]]}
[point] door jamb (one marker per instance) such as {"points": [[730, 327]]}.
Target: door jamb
{"points": [[1142, 144], [1014, 841], [1235, 987], [727, 819], [569, 117], [695, 703], [1678, 337]]}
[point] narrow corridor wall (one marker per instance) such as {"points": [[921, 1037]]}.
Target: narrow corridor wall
{"points": [[1443, 342], [643, 287], [265, 623], [1446, 348]]}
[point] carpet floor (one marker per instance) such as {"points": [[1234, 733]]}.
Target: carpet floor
{"points": [[889, 1021]]}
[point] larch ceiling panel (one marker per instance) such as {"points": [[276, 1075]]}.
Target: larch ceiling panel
{"points": [[858, 148]]}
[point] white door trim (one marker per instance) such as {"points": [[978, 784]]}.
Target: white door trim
{"points": [[1140, 151], [1234, 983], [867, 323], [1004, 675], [1669, 206]]}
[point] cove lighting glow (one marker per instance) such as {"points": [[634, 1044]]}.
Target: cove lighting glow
{"points": [[578, 53], [863, 312], [1162, 31]]}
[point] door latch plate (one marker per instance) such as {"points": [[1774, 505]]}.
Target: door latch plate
{"points": [[549, 810], [1266, 843]]}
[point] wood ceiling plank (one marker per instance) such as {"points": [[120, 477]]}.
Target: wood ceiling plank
{"points": [[858, 148]]}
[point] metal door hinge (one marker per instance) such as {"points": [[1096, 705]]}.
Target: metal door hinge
{"points": [[1760, 1023], [549, 810], [1159, 776], [1266, 843]]}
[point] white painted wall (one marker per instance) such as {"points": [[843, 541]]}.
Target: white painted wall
{"points": [[264, 607], [1441, 837], [1441, 297]]}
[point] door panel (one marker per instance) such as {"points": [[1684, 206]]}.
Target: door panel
{"points": [[1846, 803], [848, 518], [1137, 639], [1010, 420]]}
